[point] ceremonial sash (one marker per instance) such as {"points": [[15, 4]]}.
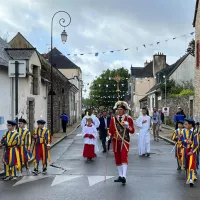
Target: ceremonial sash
{"points": [[120, 128]]}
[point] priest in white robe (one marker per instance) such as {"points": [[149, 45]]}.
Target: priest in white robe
{"points": [[144, 124]]}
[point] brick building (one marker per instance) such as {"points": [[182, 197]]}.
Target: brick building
{"points": [[196, 24]]}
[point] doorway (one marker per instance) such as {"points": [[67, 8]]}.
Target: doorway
{"points": [[31, 113]]}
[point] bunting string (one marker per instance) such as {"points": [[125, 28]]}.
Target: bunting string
{"points": [[128, 48]]}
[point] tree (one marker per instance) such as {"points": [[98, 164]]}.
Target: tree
{"points": [[103, 89], [191, 47]]}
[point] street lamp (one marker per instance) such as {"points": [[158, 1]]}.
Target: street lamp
{"points": [[64, 39]]}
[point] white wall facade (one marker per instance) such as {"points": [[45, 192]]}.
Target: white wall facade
{"points": [[185, 72], [142, 86], [7, 90]]}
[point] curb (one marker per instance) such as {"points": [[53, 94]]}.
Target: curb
{"points": [[58, 141], [167, 140]]}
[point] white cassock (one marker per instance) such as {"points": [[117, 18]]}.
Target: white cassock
{"points": [[90, 141], [95, 121], [144, 134]]}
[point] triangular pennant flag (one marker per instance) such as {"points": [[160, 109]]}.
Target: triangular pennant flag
{"points": [[192, 33], [111, 51], [126, 49], [174, 38], [96, 54], [144, 45], [158, 42]]}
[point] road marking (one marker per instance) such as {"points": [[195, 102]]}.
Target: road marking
{"points": [[97, 179], [64, 178], [27, 179]]}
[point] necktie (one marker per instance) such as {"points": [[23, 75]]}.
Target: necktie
{"points": [[120, 119]]}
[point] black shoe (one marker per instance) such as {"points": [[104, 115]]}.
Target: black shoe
{"points": [[104, 151], [178, 168], [123, 180], [148, 154], [35, 171], [143, 155], [44, 171], [119, 180]]}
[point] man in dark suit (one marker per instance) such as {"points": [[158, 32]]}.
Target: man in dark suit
{"points": [[103, 128]]}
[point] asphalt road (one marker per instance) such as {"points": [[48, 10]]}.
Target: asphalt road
{"points": [[71, 178]]}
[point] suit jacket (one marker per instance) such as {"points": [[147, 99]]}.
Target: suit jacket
{"points": [[103, 125]]}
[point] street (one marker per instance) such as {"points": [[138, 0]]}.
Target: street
{"points": [[70, 177]]}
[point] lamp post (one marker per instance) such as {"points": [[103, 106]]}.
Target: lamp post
{"points": [[64, 39], [117, 79]]}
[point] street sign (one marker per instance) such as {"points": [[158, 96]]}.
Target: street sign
{"points": [[22, 68], [165, 111]]}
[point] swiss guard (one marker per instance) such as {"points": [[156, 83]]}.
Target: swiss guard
{"points": [[11, 142], [120, 127], [42, 144], [25, 147]]}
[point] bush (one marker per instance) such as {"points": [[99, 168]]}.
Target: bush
{"points": [[184, 92]]}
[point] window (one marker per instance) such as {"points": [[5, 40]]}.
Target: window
{"points": [[35, 87]]}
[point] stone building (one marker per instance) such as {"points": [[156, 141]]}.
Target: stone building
{"points": [[143, 79], [62, 87], [74, 75], [181, 72], [196, 25]]}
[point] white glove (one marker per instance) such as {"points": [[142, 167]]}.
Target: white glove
{"points": [[126, 124], [48, 145]]}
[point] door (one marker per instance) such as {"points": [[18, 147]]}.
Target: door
{"points": [[191, 108], [31, 116]]}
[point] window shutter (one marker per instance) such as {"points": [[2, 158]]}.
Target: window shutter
{"points": [[197, 54]]}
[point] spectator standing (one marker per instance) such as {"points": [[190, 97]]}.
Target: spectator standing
{"points": [[65, 119], [162, 117], [179, 116], [156, 122]]}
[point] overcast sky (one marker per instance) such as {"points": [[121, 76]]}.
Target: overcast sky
{"points": [[103, 25]]}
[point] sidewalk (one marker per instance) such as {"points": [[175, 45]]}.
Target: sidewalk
{"points": [[166, 134], [56, 138]]}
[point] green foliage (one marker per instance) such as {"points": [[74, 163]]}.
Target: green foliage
{"points": [[175, 90], [191, 47], [184, 92], [103, 89]]}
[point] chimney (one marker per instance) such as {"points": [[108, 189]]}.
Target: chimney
{"points": [[159, 62], [146, 63]]}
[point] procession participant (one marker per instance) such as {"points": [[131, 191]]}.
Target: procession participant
{"points": [[178, 150], [42, 144], [24, 149], [103, 129], [197, 135], [95, 120], [190, 145], [11, 158], [89, 133], [144, 124], [120, 127]]}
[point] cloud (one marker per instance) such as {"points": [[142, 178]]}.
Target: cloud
{"points": [[99, 26]]}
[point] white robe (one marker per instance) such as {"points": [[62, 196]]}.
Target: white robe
{"points": [[93, 131], [144, 134], [95, 120]]}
